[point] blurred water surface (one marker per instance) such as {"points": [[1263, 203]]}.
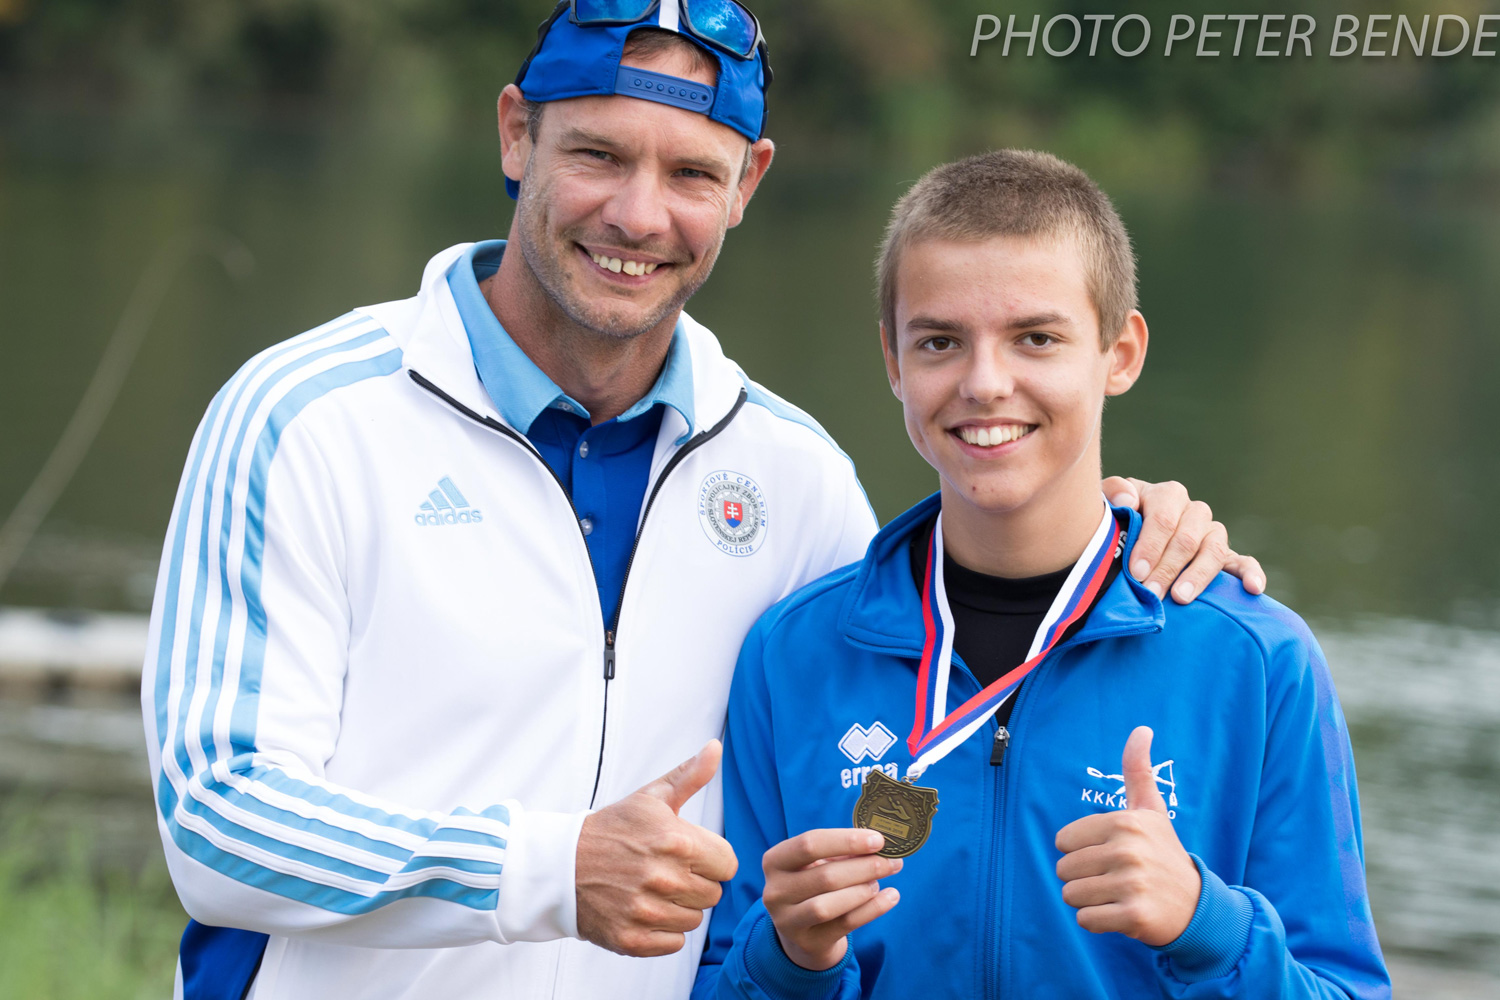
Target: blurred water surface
{"points": [[1320, 372]]}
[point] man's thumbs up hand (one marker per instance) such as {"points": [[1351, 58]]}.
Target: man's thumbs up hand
{"points": [[683, 781], [1125, 871], [645, 876]]}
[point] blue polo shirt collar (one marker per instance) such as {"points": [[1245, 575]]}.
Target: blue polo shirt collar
{"points": [[519, 389]]}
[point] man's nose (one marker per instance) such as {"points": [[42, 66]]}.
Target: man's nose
{"points": [[638, 208], [988, 376]]}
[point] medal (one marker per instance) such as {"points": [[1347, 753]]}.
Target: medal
{"points": [[899, 810]]}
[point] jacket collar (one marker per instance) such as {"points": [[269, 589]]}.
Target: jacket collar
{"points": [[883, 610], [700, 383]]}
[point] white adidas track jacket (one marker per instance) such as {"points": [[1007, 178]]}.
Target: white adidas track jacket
{"points": [[375, 728]]}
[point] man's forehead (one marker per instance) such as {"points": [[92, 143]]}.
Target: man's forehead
{"points": [[628, 124]]}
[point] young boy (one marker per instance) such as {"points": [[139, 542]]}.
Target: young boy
{"points": [[1221, 858]]}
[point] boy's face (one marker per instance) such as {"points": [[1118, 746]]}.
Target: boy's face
{"points": [[999, 368]]}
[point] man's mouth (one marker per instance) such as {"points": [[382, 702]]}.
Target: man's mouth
{"points": [[623, 265], [993, 437]]}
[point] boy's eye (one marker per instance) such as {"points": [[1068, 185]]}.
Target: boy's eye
{"points": [[1038, 339], [937, 343]]}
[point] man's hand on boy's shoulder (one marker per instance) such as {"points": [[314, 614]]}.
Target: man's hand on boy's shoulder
{"points": [[1126, 871], [1181, 546]]}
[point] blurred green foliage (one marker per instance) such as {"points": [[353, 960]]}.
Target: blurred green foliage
{"points": [[856, 79], [69, 929]]}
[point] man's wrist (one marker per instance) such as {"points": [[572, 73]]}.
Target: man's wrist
{"points": [[1217, 934], [538, 897]]}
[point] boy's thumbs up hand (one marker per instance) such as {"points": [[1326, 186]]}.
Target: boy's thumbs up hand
{"points": [[1126, 871]]}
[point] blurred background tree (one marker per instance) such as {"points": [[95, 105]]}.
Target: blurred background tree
{"points": [[856, 79]]}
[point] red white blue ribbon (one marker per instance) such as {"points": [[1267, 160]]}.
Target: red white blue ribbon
{"points": [[935, 732]]}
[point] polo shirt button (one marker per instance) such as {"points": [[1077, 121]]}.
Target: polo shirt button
{"points": [[565, 407], [587, 524], [583, 449]]}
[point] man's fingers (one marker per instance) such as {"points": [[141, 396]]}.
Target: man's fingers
{"points": [[1162, 506], [1212, 555], [1193, 535], [713, 858], [648, 944], [698, 894], [1248, 569], [683, 781], [1122, 492], [1140, 780], [818, 845]]}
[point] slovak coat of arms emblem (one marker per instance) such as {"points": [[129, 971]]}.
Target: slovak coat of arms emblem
{"points": [[732, 510]]}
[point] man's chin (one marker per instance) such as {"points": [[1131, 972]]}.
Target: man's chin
{"points": [[615, 326]]}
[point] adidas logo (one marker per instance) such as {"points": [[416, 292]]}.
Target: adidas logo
{"points": [[446, 505]]}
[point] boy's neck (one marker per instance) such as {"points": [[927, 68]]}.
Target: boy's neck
{"points": [[1045, 535]]}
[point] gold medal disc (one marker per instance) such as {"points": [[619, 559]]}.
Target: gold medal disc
{"points": [[900, 811]]}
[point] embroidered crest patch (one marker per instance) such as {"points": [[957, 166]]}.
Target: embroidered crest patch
{"points": [[732, 510]]}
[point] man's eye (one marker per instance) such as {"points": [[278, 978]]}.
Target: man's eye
{"points": [[1039, 340], [690, 173], [938, 343], [596, 154]]}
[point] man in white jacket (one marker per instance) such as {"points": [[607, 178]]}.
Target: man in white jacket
{"points": [[450, 582]]}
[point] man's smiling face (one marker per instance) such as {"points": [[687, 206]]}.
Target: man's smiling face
{"points": [[625, 202], [1000, 370]]}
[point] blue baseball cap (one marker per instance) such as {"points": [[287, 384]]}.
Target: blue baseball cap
{"points": [[573, 59]]}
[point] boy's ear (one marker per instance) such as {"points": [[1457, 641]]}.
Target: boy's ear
{"points": [[892, 363], [1127, 355]]}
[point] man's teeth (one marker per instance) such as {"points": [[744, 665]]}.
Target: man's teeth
{"points": [[617, 265], [988, 437]]}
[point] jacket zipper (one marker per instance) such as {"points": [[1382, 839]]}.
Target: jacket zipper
{"points": [[998, 751], [612, 629]]}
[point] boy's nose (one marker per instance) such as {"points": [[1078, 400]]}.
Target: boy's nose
{"points": [[987, 377]]}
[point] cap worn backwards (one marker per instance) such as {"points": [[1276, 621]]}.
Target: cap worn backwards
{"points": [[573, 60]]}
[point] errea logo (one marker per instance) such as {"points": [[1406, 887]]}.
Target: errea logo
{"points": [[446, 505], [859, 743]]}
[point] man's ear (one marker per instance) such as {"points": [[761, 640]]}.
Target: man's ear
{"points": [[762, 151], [1127, 355], [892, 362], [515, 140]]}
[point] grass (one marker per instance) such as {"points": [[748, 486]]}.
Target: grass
{"points": [[72, 928]]}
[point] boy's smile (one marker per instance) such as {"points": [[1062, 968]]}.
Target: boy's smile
{"points": [[1002, 377]]}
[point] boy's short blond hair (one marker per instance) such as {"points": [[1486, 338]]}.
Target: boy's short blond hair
{"points": [[1015, 192]]}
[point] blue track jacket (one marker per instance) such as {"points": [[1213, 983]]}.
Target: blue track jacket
{"points": [[1260, 782]]}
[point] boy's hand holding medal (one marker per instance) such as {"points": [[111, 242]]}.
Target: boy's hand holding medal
{"points": [[822, 884]]}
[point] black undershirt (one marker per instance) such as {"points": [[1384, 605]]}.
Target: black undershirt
{"points": [[994, 618]]}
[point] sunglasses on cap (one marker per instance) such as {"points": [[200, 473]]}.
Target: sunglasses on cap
{"points": [[724, 24]]}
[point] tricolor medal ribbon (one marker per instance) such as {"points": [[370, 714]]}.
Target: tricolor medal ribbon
{"points": [[935, 731]]}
